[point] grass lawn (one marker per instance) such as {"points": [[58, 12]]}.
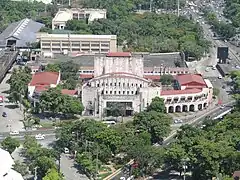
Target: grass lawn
{"points": [[47, 124]]}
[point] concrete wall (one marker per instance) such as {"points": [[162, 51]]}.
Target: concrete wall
{"points": [[103, 65]]}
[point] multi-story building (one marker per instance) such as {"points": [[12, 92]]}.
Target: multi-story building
{"points": [[75, 43], [191, 93], [155, 65], [119, 78], [63, 15]]}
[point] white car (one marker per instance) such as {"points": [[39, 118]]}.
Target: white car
{"points": [[40, 137], [219, 77], [66, 150], [14, 133], [177, 121]]}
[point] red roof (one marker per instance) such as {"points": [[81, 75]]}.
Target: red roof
{"points": [[86, 76], [69, 92], [191, 79], [176, 92], [39, 89], [44, 78], [152, 77], [119, 54]]}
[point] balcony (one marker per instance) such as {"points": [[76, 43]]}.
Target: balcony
{"points": [[119, 97]]}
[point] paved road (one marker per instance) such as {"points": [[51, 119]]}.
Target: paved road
{"points": [[14, 115], [69, 169]]}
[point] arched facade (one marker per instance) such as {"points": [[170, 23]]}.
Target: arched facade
{"points": [[131, 93]]}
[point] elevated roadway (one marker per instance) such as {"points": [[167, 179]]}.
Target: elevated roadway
{"points": [[7, 58]]}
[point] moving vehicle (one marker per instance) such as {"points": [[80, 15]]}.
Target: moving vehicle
{"points": [[214, 68], [219, 77], [177, 121], [40, 136], [14, 133], [4, 114]]}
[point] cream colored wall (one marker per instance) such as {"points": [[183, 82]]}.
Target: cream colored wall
{"points": [[31, 90], [133, 65]]}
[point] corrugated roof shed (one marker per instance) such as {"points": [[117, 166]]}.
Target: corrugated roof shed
{"points": [[23, 32]]}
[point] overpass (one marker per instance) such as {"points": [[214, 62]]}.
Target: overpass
{"points": [[7, 58]]}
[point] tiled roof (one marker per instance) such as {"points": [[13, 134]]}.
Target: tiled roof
{"points": [[176, 92], [86, 68], [86, 76], [185, 79], [152, 77], [40, 88], [69, 92], [119, 54], [44, 78]]}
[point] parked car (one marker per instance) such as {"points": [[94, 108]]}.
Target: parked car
{"points": [[66, 150], [177, 121], [219, 77], [109, 122], [14, 133], [4, 114], [40, 137]]}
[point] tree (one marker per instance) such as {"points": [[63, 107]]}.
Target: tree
{"points": [[44, 164], [147, 157], [173, 157], [157, 124], [216, 91], [10, 144], [52, 174], [166, 79], [115, 109], [86, 161], [52, 67], [54, 101], [157, 105], [21, 168], [19, 84]]}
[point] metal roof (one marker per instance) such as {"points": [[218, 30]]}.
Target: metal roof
{"points": [[23, 31], [150, 60]]}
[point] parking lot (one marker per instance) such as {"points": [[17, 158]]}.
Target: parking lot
{"points": [[12, 122]]}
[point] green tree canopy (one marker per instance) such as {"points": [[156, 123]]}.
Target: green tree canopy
{"points": [[10, 144], [52, 174], [157, 124], [166, 79]]}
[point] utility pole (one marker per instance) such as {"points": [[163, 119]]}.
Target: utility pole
{"points": [[150, 5], [69, 3], [35, 173], [178, 4], [97, 162]]}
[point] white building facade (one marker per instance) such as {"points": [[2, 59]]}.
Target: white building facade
{"points": [[119, 78], [63, 15]]}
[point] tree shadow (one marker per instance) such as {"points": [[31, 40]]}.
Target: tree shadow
{"points": [[81, 170], [6, 92], [55, 116], [12, 106]]}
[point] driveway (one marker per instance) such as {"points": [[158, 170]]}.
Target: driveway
{"points": [[69, 169]]}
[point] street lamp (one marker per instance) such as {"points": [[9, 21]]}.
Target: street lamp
{"points": [[185, 167]]}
